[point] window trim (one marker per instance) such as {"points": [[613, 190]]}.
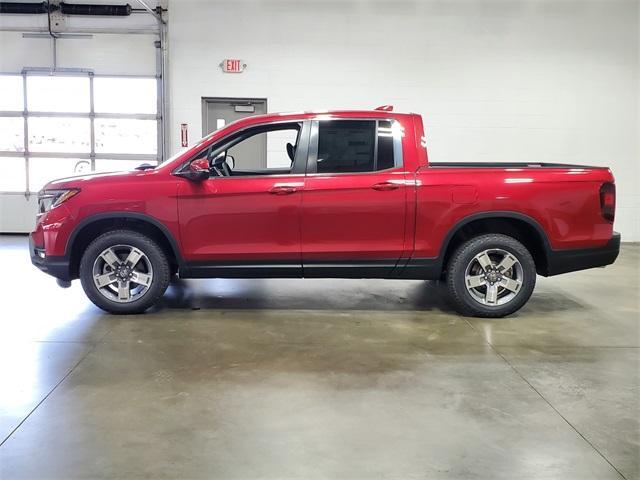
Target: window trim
{"points": [[312, 161]]}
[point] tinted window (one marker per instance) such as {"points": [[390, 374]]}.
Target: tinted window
{"points": [[350, 146], [346, 146]]}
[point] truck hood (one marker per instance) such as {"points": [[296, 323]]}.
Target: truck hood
{"points": [[81, 181]]}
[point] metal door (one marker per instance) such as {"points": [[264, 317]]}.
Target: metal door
{"points": [[217, 112]]}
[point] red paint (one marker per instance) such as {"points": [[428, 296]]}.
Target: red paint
{"points": [[240, 220], [406, 212]]}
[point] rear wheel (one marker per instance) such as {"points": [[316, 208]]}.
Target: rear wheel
{"points": [[491, 276], [124, 272]]}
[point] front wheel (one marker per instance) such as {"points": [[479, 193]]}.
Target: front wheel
{"points": [[491, 276], [124, 272]]}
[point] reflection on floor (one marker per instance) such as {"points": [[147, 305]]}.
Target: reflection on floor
{"points": [[319, 379]]}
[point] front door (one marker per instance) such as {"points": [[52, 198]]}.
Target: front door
{"points": [[354, 201], [245, 221]]}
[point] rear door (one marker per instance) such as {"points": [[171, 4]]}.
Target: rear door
{"points": [[354, 200]]}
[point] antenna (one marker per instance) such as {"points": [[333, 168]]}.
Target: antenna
{"points": [[385, 108]]}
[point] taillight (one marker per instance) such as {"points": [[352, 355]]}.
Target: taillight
{"points": [[608, 201]]}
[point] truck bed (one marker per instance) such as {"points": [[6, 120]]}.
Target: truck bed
{"points": [[506, 165], [563, 200]]}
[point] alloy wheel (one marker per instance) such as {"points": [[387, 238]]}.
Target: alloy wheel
{"points": [[122, 273], [494, 277]]}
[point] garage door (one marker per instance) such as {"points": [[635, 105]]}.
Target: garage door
{"points": [[52, 126]]}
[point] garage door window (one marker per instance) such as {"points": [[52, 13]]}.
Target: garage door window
{"points": [[42, 170], [52, 126], [125, 95], [59, 135], [58, 94], [121, 135], [12, 134], [11, 94]]}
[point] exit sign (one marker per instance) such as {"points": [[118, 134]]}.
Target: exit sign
{"points": [[232, 65]]}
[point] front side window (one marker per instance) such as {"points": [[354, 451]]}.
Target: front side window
{"points": [[261, 150], [356, 146]]}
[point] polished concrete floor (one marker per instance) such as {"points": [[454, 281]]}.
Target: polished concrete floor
{"points": [[309, 379]]}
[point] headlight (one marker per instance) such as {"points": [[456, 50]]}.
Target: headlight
{"points": [[48, 199]]}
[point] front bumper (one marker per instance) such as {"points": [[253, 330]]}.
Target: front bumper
{"points": [[58, 267], [564, 261]]}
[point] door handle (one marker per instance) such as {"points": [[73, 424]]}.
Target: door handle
{"points": [[384, 186], [282, 190]]}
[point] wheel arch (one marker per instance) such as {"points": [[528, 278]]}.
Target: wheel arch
{"points": [[522, 227], [92, 227]]}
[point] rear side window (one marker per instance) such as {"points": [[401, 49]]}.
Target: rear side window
{"points": [[346, 146], [353, 146]]}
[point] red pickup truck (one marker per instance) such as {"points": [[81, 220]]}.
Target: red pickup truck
{"points": [[342, 194]]}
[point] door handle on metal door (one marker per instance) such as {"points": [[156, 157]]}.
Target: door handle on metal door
{"points": [[384, 186], [282, 190]]}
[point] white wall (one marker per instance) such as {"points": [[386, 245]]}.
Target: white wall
{"points": [[131, 54], [508, 80]]}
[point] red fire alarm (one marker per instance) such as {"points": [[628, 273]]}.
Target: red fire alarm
{"points": [[184, 141]]}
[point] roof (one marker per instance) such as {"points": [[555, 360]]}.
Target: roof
{"points": [[306, 115]]}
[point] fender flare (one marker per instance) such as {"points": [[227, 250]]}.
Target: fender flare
{"points": [[124, 216], [495, 214], [431, 268]]}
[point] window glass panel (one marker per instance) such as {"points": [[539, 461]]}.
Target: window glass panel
{"points": [[120, 165], [58, 94], [11, 96], [12, 134], [116, 135], [43, 170], [385, 146], [346, 146], [125, 95], [13, 174], [266, 149], [59, 134], [277, 150]]}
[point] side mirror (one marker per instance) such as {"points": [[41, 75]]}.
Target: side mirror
{"points": [[198, 170]]}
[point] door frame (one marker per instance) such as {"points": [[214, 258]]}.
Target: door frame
{"points": [[206, 101]]}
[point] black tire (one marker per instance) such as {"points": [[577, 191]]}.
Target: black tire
{"points": [[464, 301], [155, 256]]}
